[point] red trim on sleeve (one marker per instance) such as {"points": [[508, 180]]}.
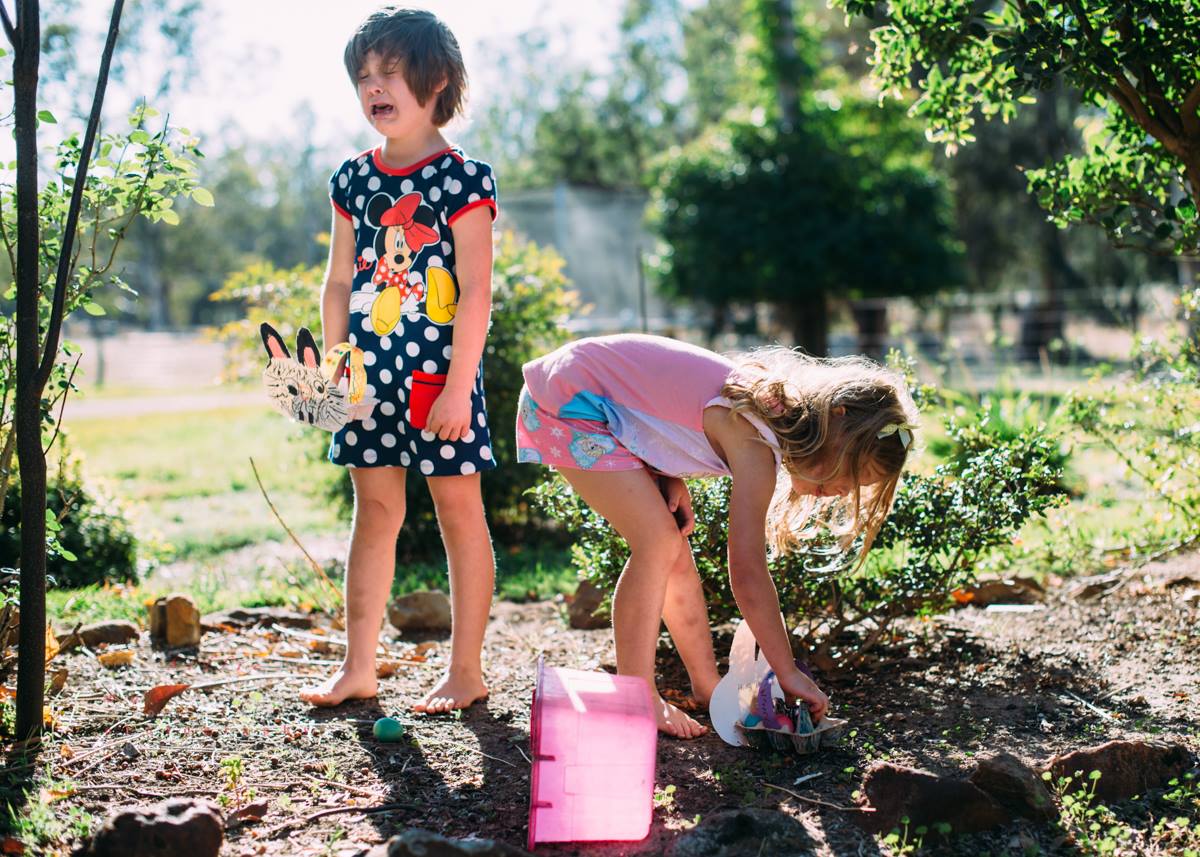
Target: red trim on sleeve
{"points": [[488, 202], [340, 210]]}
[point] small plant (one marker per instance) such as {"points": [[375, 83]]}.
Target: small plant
{"points": [[664, 798], [232, 769]]}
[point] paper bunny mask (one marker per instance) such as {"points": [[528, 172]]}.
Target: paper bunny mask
{"points": [[298, 388]]}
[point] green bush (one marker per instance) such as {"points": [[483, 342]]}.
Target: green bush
{"points": [[939, 529], [90, 541], [1150, 420], [530, 302]]}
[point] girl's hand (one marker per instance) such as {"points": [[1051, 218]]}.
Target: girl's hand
{"points": [[679, 501], [796, 685], [450, 415]]}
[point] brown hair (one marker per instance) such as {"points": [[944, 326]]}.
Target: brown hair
{"points": [[423, 47], [827, 413]]}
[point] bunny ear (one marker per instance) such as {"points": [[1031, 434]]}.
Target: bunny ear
{"points": [[273, 342], [306, 349]]}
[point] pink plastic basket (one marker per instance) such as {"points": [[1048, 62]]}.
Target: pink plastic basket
{"points": [[593, 742]]}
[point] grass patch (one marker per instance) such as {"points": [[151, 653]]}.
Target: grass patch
{"points": [[186, 479], [522, 574]]}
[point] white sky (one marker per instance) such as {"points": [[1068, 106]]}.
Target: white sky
{"points": [[260, 60]]}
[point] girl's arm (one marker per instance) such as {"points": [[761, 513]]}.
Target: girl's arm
{"points": [[754, 475], [450, 416], [339, 280]]}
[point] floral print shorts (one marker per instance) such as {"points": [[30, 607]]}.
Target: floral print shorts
{"points": [[543, 438]]}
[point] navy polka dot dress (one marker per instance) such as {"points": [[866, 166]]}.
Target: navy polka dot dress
{"points": [[402, 307]]}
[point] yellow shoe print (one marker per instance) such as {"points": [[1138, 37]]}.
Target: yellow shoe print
{"points": [[385, 312], [441, 295]]}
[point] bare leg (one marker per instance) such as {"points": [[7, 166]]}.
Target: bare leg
{"points": [[378, 516], [472, 579], [686, 616], [631, 502]]}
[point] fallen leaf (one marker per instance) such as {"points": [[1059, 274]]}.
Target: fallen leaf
{"points": [[65, 751], [50, 795], [250, 813], [157, 697], [114, 659], [422, 648], [51, 643], [11, 846], [387, 668], [962, 596], [57, 681]]}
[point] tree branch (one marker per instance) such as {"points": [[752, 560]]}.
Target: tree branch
{"points": [[1190, 112], [57, 310], [9, 29]]}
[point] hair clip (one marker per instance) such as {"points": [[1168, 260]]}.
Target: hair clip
{"points": [[903, 429]]}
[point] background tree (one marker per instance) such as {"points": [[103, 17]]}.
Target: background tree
{"points": [[1133, 62], [816, 194]]}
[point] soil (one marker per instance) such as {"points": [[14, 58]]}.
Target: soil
{"points": [[936, 695]]}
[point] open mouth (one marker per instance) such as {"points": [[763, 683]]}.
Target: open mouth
{"points": [[382, 111]]}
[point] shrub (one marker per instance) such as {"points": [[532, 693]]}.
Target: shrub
{"points": [[530, 302], [939, 529], [1151, 421], [89, 541]]}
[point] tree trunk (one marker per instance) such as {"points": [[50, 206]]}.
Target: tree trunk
{"points": [[31, 656], [810, 324], [786, 86], [35, 359], [870, 318]]}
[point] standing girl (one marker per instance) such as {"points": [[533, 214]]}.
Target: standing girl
{"points": [[625, 418], [409, 282]]}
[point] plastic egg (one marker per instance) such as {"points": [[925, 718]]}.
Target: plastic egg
{"points": [[388, 729]]}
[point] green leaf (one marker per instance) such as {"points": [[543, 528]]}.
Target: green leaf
{"points": [[47, 117], [93, 308], [202, 196], [169, 216], [66, 554]]}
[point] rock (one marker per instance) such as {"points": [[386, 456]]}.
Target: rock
{"points": [[170, 829], [422, 843], [175, 620], [897, 792], [1127, 768], [582, 611], [427, 610], [1014, 590], [249, 617], [104, 632], [744, 833], [1015, 786]]}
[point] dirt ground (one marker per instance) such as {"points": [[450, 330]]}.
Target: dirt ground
{"points": [[1073, 674]]}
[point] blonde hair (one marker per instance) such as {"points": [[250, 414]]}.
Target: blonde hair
{"points": [[827, 413]]}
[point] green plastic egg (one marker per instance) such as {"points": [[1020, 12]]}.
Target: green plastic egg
{"points": [[388, 729]]}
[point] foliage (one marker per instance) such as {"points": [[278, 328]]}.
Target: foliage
{"points": [[134, 173], [940, 528], [1132, 61], [814, 195], [90, 541], [1096, 829], [1150, 422], [530, 302]]}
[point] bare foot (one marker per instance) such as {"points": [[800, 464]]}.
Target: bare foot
{"points": [[674, 722], [452, 692], [339, 687]]}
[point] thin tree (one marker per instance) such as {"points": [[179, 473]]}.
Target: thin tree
{"points": [[35, 354]]}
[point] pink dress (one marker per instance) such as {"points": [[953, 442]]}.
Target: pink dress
{"points": [[624, 402]]}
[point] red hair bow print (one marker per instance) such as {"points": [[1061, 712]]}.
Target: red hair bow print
{"points": [[416, 235]]}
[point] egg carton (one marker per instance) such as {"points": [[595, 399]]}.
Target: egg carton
{"points": [[826, 734]]}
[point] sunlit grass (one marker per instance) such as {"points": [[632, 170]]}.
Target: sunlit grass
{"points": [[187, 483]]}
